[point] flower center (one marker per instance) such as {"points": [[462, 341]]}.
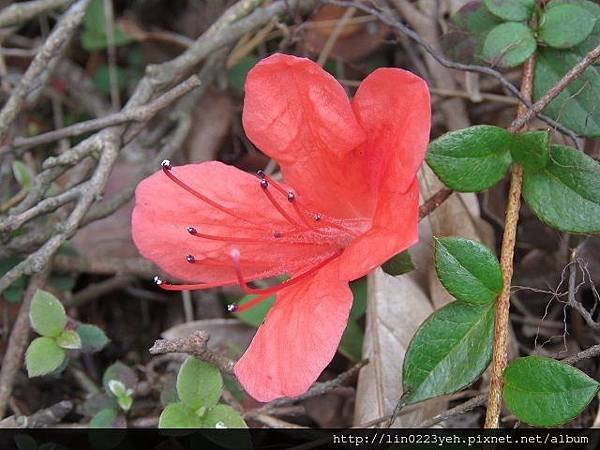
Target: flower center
{"points": [[305, 227]]}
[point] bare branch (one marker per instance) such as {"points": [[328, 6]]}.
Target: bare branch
{"points": [[21, 12], [195, 345], [39, 70]]}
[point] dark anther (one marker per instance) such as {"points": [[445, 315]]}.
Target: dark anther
{"points": [[191, 230], [260, 174], [277, 234], [291, 196], [157, 280], [317, 217], [166, 164], [232, 308], [264, 184], [190, 258]]}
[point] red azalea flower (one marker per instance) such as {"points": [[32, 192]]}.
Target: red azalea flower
{"points": [[350, 203]]}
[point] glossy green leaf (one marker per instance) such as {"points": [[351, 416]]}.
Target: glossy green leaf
{"points": [[68, 339], [566, 193], [565, 26], [120, 372], [468, 270], [531, 149], [199, 384], [398, 265], [222, 416], [93, 338], [450, 350], [508, 45], [545, 392], [47, 315], [178, 415], [471, 159], [577, 105], [256, 314], [515, 10], [43, 356]]}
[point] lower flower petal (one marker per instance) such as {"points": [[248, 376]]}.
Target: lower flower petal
{"points": [[298, 338], [394, 229]]}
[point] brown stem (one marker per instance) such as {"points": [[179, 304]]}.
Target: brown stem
{"points": [[507, 251]]}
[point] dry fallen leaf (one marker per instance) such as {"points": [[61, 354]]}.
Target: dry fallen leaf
{"points": [[396, 307]]}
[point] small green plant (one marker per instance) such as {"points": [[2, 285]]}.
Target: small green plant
{"points": [[109, 408], [59, 336], [199, 386]]}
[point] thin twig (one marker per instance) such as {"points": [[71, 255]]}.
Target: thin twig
{"points": [[509, 238], [109, 16], [136, 114], [21, 12], [195, 345], [388, 18], [38, 71]]}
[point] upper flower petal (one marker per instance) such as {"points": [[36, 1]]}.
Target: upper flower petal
{"points": [[163, 210], [393, 107], [395, 228], [298, 338], [299, 115]]}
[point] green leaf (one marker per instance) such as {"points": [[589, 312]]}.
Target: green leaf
{"points": [[222, 416], [515, 10], [47, 314], [577, 105], [93, 36], [93, 338], [544, 392], [199, 384], [120, 372], [352, 342], [468, 270], [531, 149], [107, 418], [255, 315], [101, 79], [508, 45], [467, 32], [22, 174], [121, 393], [359, 298], [14, 293], [450, 350], [178, 415], [68, 339], [566, 26], [566, 193], [236, 76], [43, 356], [25, 442], [471, 159], [398, 265]]}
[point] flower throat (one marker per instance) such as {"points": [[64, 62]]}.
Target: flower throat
{"points": [[303, 221]]}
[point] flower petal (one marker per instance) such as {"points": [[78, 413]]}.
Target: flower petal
{"points": [[299, 115], [395, 228], [298, 338], [163, 211], [393, 107]]}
